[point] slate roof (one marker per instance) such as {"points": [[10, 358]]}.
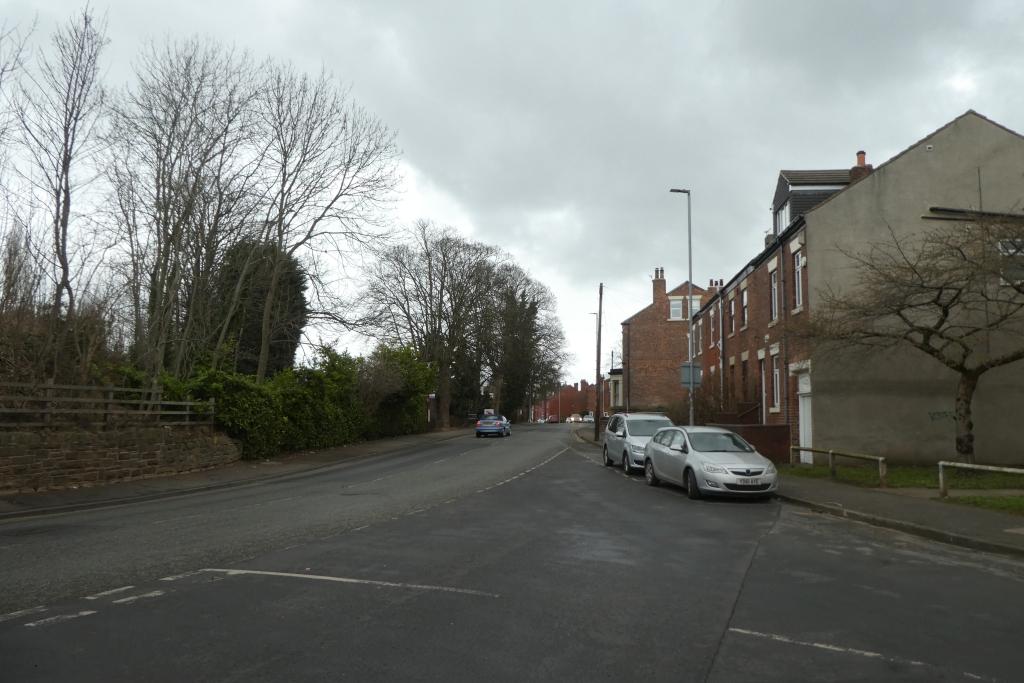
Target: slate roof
{"points": [[794, 179]]}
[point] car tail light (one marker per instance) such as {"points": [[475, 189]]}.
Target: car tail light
{"points": [[478, 421]]}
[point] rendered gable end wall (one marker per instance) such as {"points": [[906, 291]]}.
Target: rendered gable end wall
{"points": [[900, 403]]}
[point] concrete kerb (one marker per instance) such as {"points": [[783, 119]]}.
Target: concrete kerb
{"points": [[587, 439], [254, 481], [911, 528], [906, 527]]}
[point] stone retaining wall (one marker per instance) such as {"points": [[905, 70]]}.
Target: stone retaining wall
{"points": [[38, 460]]}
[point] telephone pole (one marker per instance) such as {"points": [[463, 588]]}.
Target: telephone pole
{"points": [[597, 385]]}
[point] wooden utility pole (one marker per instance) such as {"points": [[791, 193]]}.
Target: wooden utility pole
{"points": [[597, 385]]}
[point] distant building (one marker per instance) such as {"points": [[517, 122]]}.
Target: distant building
{"points": [[654, 346]]}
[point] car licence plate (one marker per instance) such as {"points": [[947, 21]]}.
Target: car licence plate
{"points": [[748, 482]]}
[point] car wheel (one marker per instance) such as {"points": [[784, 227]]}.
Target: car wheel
{"points": [[607, 461], [649, 475], [626, 467], [692, 490]]}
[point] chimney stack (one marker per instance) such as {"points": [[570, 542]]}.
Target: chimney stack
{"points": [[861, 169], [660, 293]]}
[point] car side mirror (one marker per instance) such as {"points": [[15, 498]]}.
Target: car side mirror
{"points": [[679, 447]]}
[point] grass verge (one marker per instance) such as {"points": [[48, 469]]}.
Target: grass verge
{"points": [[1012, 504], [910, 476]]}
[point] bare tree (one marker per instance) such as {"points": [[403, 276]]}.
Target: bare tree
{"points": [[330, 167], [954, 293], [423, 294], [57, 109], [182, 173]]}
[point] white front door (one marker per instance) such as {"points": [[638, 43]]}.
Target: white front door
{"points": [[805, 416]]}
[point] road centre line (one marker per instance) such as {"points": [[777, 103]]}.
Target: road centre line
{"points": [[109, 592], [21, 613], [175, 577], [846, 650], [133, 598], [341, 579], [61, 617]]}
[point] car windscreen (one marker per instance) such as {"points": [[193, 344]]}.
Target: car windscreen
{"points": [[640, 427], [719, 442]]}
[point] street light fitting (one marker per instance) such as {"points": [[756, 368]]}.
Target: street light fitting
{"points": [[681, 191]]}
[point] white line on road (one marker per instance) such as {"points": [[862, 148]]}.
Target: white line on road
{"points": [[340, 579], [21, 613], [61, 617], [847, 650], [110, 592], [175, 577], [133, 598]]}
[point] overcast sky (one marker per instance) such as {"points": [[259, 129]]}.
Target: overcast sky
{"points": [[555, 129]]}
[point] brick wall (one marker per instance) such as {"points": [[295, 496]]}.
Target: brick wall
{"points": [[771, 441], [38, 460], [654, 348]]}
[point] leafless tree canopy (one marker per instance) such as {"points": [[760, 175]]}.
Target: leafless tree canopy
{"points": [[954, 292]]}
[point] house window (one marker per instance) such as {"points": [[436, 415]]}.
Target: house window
{"points": [[775, 295], [732, 316], [676, 309], [775, 381], [782, 218], [745, 319], [711, 327], [700, 336], [798, 279], [745, 376]]}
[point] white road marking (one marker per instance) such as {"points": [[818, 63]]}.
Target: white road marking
{"points": [[341, 579], [1018, 530], [61, 617], [846, 650], [175, 577], [133, 598], [110, 592], [21, 613]]}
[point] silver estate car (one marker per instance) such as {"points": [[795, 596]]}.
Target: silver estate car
{"points": [[626, 436], [708, 460]]}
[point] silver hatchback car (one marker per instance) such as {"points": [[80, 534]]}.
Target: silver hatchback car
{"points": [[708, 460], [626, 436]]}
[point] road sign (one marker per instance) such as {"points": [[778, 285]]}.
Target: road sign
{"points": [[685, 372]]}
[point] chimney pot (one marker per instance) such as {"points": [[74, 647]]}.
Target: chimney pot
{"points": [[861, 158]]}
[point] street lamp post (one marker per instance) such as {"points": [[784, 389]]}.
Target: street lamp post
{"points": [[689, 302]]}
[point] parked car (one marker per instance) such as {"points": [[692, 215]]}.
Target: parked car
{"points": [[588, 418], [626, 436], [575, 417], [552, 418], [708, 460], [493, 424]]}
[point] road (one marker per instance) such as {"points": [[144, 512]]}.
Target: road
{"points": [[519, 559]]}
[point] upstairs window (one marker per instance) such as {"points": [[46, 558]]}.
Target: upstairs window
{"points": [[746, 318], [700, 336], [775, 295], [711, 327], [775, 381], [675, 308], [798, 279], [732, 316], [782, 218]]}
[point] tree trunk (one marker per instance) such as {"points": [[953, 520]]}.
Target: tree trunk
{"points": [[964, 426], [444, 395], [496, 384], [268, 307]]}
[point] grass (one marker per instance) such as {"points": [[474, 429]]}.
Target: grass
{"points": [[911, 476], [1011, 504]]}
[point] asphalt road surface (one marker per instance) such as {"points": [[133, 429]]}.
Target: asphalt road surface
{"points": [[518, 559]]}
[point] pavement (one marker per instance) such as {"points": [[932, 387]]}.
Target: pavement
{"points": [[239, 473], [516, 559], [913, 511]]}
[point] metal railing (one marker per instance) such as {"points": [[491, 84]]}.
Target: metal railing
{"points": [[43, 405], [882, 469], [943, 464]]}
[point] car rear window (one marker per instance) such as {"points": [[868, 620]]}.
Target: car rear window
{"points": [[720, 442], [646, 427]]}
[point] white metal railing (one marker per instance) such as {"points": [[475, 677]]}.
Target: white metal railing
{"points": [[943, 464], [882, 469]]}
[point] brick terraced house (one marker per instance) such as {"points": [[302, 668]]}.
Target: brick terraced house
{"points": [[899, 402], [654, 346]]}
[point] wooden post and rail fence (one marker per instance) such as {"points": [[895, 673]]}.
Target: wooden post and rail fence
{"points": [[53, 405]]}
